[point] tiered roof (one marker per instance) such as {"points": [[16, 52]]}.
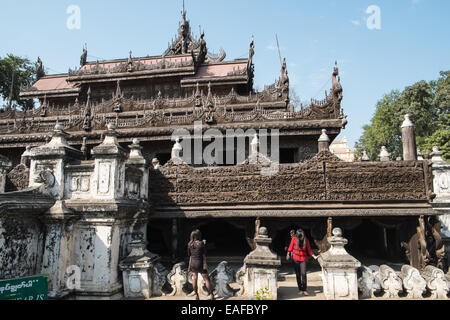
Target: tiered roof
{"points": [[211, 97]]}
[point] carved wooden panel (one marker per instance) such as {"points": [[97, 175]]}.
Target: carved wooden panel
{"points": [[321, 179]]}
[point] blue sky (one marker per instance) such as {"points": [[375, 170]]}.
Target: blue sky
{"points": [[412, 43]]}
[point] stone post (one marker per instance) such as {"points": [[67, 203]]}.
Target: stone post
{"points": [[109, 172], [261, 268], [339, 270], [409, 140], [138, 269], [324, 141], [365, 157], [47, 165], [441, 187], [51, 158], [137, 160], [384, 154]]}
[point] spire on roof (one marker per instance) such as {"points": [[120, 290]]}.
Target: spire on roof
{"points": [[130, 62], [40, 71], [83, 58]]}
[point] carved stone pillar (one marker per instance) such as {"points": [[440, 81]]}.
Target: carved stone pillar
{"points": [[261, 268], [51, 158], [138, 270], [47, 166], [114, 210], [109, 172], [137, 160], [339, 270]]}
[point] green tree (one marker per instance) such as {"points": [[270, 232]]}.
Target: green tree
{"points": [[427, 103], [24, 75], [441, 136]]}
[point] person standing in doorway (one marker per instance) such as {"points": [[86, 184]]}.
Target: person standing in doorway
{"points": [[301, 249], [197, 262]]}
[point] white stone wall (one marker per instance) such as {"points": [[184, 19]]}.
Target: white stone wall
{"points": [[89, 228], [441, 187]]}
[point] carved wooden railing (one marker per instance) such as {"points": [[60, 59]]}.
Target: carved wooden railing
{"points": [[322, 179]]}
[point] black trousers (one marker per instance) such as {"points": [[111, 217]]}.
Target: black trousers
{"points": [[300, 272]]}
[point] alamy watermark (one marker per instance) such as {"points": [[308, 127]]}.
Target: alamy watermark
{"points": [[374, 20], [73, 277], [229, 148], [74, 19]]}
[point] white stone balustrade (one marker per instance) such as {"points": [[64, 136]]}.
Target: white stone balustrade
{"points": [[390, 282], [413, 283], [436, 282]]}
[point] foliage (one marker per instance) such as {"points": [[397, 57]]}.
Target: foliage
{"points": [[24, 75], [427, 103], [263, 294]]}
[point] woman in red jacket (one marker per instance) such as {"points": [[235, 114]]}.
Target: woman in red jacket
{"points": [[301, 249]]}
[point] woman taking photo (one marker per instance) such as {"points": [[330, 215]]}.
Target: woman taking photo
{"points": [[197, 262], [301, 249]]}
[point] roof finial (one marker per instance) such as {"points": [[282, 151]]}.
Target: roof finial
{"points": [[183, 13], [83, 58], [278, 46]]}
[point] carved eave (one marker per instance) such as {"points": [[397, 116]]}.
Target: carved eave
{"points": [[27, 202], [294, 210], [222, 73], [107, 208], [287, 128], [40, 94], [217, 81]]}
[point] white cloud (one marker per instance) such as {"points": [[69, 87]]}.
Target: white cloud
{"points": [[356, 22]]}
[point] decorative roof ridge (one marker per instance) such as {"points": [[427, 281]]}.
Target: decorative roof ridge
{"points": [[57, 75], [137, 58]]}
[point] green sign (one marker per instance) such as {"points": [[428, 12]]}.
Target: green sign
{"points": [[30, 288]]}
